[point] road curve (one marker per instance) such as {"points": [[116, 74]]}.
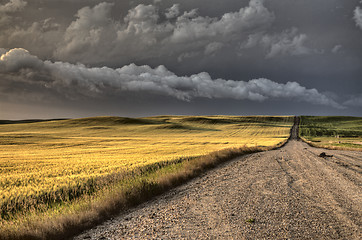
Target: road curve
{"points": [[288, 193]]}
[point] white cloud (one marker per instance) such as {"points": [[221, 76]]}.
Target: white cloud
{"points": [[358, 16], [66, 78]]}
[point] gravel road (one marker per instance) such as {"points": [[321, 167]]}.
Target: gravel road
{"points": [[288, 193]]}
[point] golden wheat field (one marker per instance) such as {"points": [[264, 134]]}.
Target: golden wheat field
{"points": [[54, 160]]}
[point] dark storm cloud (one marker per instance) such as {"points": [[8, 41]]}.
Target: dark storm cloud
{"points": [[22, 66], [98, 35], [147, 31], [299, 45]]}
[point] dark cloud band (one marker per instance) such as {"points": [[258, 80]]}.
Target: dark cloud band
{"points": [[66, 77]]}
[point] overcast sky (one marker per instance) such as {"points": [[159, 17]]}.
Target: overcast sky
{"points": [[78, 58]]}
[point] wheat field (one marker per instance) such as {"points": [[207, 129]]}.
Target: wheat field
{"points": [[50, 162]]}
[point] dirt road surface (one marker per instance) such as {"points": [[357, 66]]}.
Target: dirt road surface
{"points": [[289, 193]]}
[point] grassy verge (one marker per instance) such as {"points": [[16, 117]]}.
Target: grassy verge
{"points": [[336, 133], [129, 189]]}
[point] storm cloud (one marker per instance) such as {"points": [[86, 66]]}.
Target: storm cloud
{"points": [[230, 56], [20, 64], [95, 36], [147, 31]]}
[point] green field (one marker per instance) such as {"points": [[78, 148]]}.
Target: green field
{"points": [[66, 167], [332, 132]]}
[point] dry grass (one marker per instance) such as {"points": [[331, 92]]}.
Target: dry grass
{"points": [[135, 189], [172, 150]]}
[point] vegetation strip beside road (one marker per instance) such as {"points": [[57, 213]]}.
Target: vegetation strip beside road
{"points": [[333, 132], [64, 212]]}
